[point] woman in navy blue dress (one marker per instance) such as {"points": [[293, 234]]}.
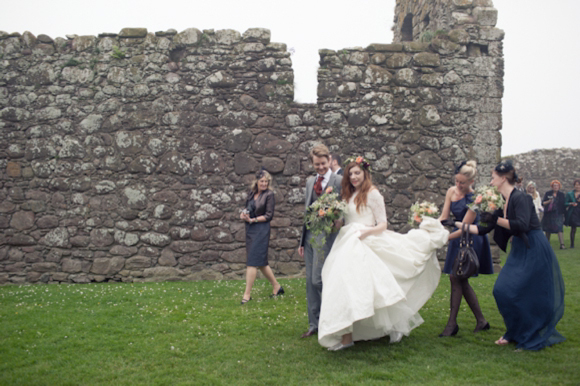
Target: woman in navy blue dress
{"points": [[456, 201], [529, 290]]}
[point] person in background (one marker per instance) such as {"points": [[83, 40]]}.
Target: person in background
{"points": [[573, 211], [257, 214], [456, 201], [335, 162], [554, 211], [529, 290], [520, 185], [531, 190]]}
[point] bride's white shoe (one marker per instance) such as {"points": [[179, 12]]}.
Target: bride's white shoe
{"points": [[340, 346]]}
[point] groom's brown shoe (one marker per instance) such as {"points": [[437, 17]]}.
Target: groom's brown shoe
{"points": [[311, 331]]}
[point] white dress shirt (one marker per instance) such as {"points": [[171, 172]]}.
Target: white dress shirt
{"points": [[326, 179]]}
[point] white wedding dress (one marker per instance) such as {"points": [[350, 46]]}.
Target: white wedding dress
{"points": [[375, 287]]}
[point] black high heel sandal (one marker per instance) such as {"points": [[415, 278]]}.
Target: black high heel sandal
{"points": [[484, 328], [453, 333], [280, 292], [244, 301]]}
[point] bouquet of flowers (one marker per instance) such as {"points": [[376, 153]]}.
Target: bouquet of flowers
{"points": [[487, 199], [422, 209], [320, 217]]}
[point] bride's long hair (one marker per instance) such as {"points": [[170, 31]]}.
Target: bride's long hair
{"points": [[347, 190]]}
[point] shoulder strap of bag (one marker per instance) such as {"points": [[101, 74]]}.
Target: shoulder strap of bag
{"points": [[468, 238], [463, 239]]}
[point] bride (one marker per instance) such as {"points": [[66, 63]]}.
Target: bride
{"points": [[375, 280]]}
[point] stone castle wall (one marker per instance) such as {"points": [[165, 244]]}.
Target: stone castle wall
{"points": [[127, 157], [546, 165]]}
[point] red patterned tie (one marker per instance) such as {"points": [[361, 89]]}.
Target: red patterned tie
{"points": [[318, 185]]}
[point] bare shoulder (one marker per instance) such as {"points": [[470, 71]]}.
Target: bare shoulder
{"points": [[450, 192]]}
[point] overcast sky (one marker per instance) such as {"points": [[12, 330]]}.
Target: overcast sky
{"points": [[541, 47]]}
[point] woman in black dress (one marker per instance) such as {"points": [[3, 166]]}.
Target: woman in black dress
{"points": [[554, 211], [573, 211], [529, 290], [257, 214]]}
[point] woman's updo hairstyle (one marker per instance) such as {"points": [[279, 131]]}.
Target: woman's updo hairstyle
{"points": [[506, 169], [467, 169]]}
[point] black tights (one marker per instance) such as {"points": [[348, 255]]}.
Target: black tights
{"points": [[461, 289], [572, 235]]}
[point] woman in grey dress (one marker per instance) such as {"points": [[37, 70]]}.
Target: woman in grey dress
{"points": [[257, 214]]}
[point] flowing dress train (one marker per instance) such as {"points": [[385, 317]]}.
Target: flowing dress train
{"points": [[376, 286]]}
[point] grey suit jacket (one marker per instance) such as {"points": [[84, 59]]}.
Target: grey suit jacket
{"points": [[335, 181]]}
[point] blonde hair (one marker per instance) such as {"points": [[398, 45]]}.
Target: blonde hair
{"points": [[469, 170], [319, 151], [532, 183], [261, 174]]}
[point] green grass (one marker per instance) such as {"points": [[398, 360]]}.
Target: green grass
{"points": [[197, 333]]}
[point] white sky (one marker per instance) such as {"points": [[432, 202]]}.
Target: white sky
{"points": [[541, 47]]}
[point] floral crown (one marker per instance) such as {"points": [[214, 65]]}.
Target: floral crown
{"points": [[361, 161]]}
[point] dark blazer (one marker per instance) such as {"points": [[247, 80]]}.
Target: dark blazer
{"points": [[340, 172], [570, 199], [559, 201], [264, 205], [521, 216]]}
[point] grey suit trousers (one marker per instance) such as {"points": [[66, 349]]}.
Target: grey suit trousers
{"points": [[314, 261]]}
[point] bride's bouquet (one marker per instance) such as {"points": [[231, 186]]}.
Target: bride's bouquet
{"points": [[320, 217], [487, 199], [422, 209]]}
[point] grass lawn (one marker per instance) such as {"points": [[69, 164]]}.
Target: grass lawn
{"points": [[197, 333]]}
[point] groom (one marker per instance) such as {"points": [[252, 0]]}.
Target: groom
{"points": [[315, 186]]}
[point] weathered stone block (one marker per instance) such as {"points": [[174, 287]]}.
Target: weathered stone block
{"points": [[58, 237], [137, 262], [236, 256], [261, 35], [185, 246], [45, 267], [398, 60], [377, 75], [187, 37], [238, 140], [426, 59], [71, 265], [326, 89], [206, 274], [129, 33], [22, 220], [429, 116], [395, 47], [13, 169], [167, 258], [406, 77], [485, 15], [155, 239], [162, 272], [273, 164], [101, 238], [270, 144], [107, 266]]}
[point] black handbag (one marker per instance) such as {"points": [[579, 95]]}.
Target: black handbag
{"points": [[466, 263]]}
